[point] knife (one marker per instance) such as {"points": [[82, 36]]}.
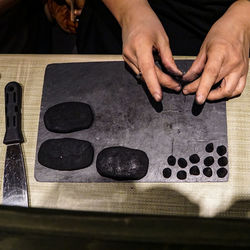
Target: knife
{"points": [[14, 183]]}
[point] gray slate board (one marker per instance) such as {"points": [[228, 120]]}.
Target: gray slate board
{"points": [[125, 116]]}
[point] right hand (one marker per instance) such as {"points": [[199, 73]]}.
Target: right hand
{"points": [[142, 33]]}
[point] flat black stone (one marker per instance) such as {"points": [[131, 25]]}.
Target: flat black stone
{"points": [[68, 117], [171, 160], [210, 147], [222, 161], [182, 175], [208, 161], [222, 172], [167, 172], [207, 172], [66, 154], [121, 163], [182, 162], [194, 170], [221, 150], [194, 158]]}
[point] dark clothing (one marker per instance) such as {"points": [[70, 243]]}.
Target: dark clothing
{"points": [[185, 21], [24, 28]]}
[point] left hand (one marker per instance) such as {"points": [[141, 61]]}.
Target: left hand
{"points": [[223, 56]]}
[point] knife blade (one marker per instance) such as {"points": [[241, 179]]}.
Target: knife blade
{"points": [[14, 184]]}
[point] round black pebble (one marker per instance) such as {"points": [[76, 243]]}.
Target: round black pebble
{"points": [[194, 170], [194, 158], [182, 175], [182, 162], [207, 172], [210, 147], [222, 161], [171, 160], [208, 161], [221, 150], [221, 172], [167, 172]]}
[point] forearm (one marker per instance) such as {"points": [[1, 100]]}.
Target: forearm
{"points": [[240, 11], [124, 9]]}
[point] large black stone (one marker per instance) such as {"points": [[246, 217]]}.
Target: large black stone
{"points": [[121, 163], [66, 154], [68, 117]]}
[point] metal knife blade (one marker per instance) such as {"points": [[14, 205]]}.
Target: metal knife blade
{"points": [[14, 183]]}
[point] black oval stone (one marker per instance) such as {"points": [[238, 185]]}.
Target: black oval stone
{"points": [[182, 162], [222, 161], [171, 160], [65, 154], [167, 172], [194, 158], [222, 172], [68, 117], [221, 150], [194, 170], [210, 147], [207, 172], [208, 161], [182, 175], [121, 163]]}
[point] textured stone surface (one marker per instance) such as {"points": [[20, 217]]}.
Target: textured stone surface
{"points": [[121, 163], [68, 117], [66, 154]]}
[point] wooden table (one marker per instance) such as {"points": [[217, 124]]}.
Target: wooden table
{"points": [[231, 199]]}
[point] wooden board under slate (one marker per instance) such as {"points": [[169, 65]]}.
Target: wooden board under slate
{"points": [[126, 115]]}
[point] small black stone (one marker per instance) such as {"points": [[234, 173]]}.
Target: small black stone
{"points": [[68, 117], [121, 163], [222, 172], [221, 150], [171, 160], [167, 172], [210, 147], [194, 170], [208, 161], [207, 172], [194, 158], [222, 161], [65, 154], [182, 175], [182, 162]]}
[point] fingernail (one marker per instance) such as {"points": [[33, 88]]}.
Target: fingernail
{"points": [[178, 88], [185, 91], [157, 97], [200, 99]]}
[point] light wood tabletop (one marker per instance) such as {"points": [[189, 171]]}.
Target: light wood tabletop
{"points": [[230, 199]]}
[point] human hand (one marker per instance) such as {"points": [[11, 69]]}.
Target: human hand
{"points": [[223, 56], [142, 33]]}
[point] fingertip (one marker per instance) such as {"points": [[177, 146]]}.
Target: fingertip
{"points": [[200, 99], [157, 97]]}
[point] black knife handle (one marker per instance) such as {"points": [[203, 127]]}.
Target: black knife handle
{"points": [[13, 103]]}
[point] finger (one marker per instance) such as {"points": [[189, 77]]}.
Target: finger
{"points": [[240, 87], [167, 58], [196, 68], [166, 80], [209, 77], [146, 65], [131, 65], [226, 89], [191, 87]]}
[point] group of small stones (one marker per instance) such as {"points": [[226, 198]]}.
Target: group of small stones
{"points": [[195, 160], [66, 154]]}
